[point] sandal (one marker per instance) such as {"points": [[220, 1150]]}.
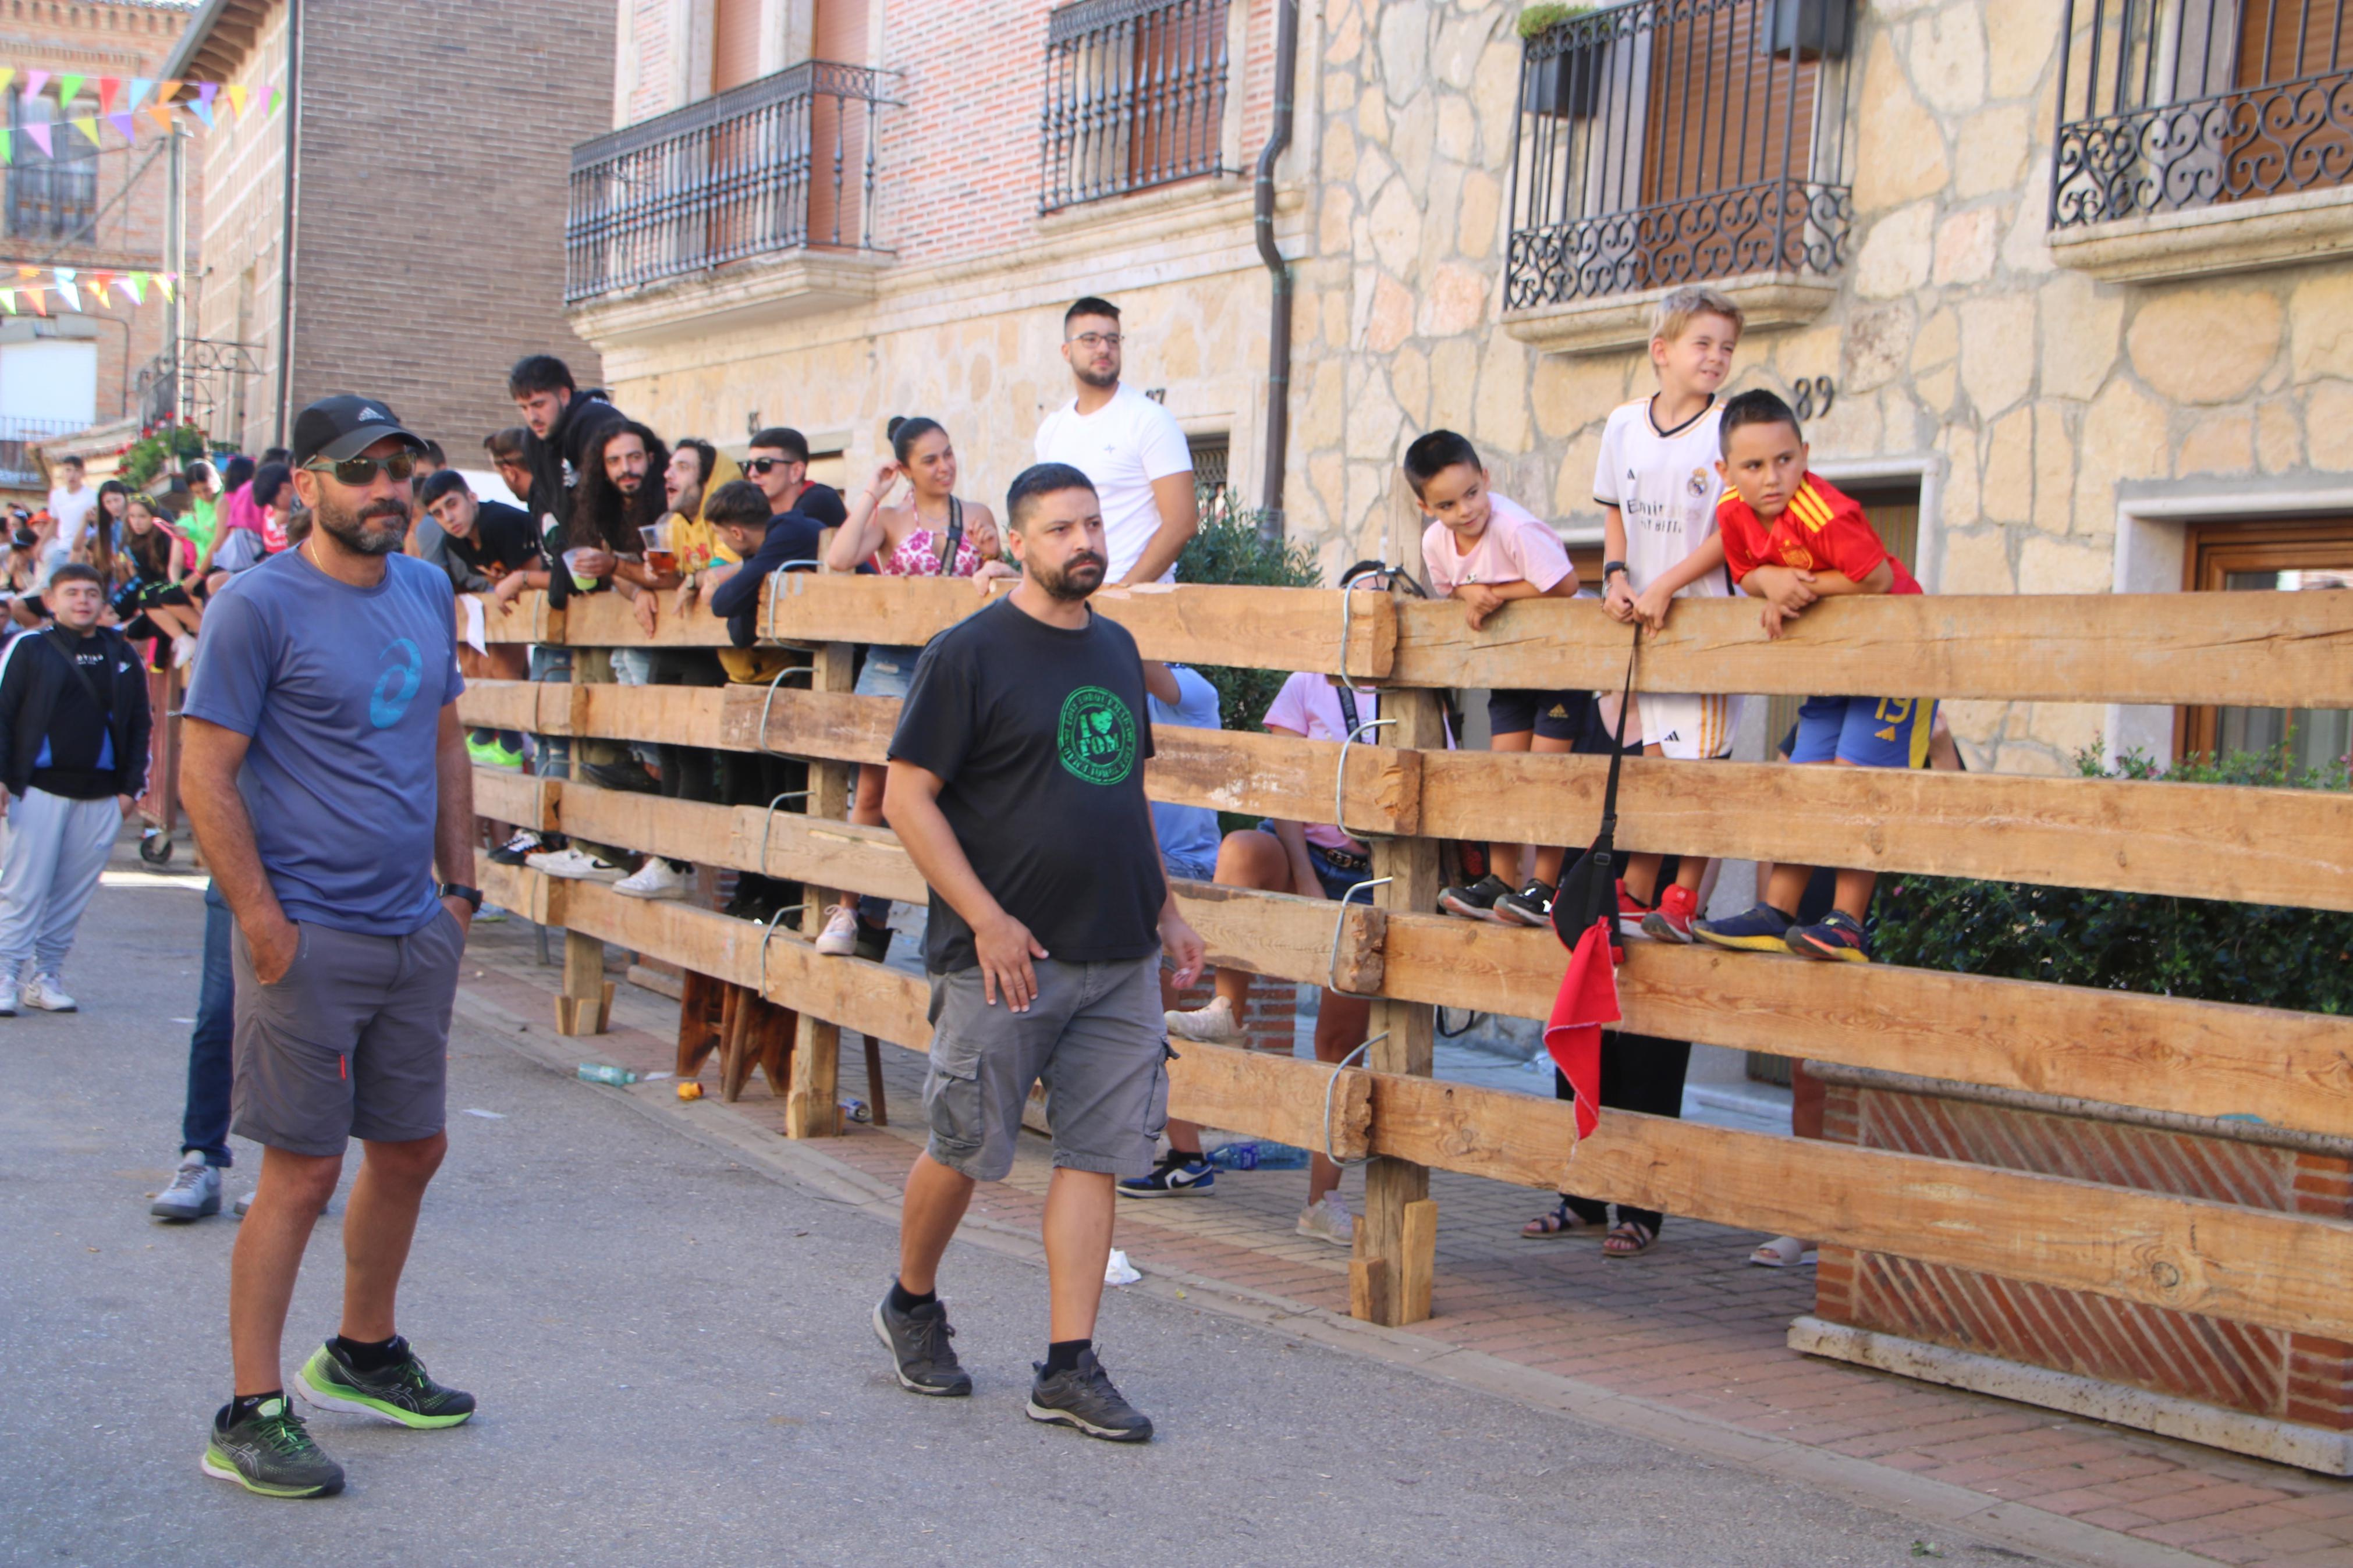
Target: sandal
{"points": [[1784, 1252], [1556, 1222], [1631, 1239]]}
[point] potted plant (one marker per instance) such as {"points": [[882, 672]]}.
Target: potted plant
{"points": [[1560, 77]]}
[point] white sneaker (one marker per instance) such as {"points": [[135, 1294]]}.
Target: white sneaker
{"points": [[1329, 1221], [184, 648], [654, 880], [245, 1202], [575, 866], [44, 992], [1209, 1025], [194, 1192], [840, 937]]}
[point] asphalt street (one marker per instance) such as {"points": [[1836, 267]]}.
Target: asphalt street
{"points": [[672, 1352]]}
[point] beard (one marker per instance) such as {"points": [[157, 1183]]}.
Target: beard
{"points": [[351, 528], [1081, 575], [1096, 378], [629, 484]]}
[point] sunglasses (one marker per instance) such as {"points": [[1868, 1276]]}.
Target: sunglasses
{"points": [[360, 472], [762, 465]]}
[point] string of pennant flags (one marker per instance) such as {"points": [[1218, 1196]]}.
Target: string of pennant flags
{"points": [[161, 101], [30, 288]]}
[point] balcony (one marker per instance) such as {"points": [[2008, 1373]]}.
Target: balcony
{"points": [[766, 191], [1135, 97], [1660, 145], [2203, 136], [19, 469]]}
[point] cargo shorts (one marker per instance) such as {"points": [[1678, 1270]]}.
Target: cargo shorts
{"points": [[351, 1042], [1095, 1036]]}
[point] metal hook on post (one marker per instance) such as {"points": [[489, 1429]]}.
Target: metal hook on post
{"points": [[1339, 924], [1332, 1086], [1340, 779], [768, 820], [768, 619], [761, 739], [768, 930]]}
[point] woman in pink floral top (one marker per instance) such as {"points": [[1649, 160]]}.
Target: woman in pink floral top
{"points": [[932, 534]]}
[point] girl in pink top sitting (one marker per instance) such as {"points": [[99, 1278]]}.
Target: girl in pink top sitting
{"points": [[931, 534]]}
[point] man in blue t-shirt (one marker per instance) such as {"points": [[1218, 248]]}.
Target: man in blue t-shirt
{"points": [[325, 773]]}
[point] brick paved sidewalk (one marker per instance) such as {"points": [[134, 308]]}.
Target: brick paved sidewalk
{"points": [[1689, 1326]]}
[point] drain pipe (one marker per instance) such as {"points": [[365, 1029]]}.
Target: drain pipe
{"points": [[1278, 327]]}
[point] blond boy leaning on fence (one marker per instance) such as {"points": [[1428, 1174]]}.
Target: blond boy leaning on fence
{"points": [[1657, 482]]}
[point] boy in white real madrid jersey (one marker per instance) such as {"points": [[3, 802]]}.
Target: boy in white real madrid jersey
{"points": [[1657, 481]]}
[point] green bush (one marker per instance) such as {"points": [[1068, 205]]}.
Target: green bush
{"points": [[2217, 952], [1548, 15], [1229, 549], [165, 446]]}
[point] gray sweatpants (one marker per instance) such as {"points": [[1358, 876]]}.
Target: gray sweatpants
{"points": [[55, 850]]}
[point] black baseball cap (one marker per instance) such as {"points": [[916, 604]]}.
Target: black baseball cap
{"points": [[343, 426]]}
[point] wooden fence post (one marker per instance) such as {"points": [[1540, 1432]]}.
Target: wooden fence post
{"points": [[813, 1103], [585, 1006], [1388, 1277]]}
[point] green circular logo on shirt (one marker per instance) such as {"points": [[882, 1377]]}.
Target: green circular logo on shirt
{"points": [[1098, 736]]}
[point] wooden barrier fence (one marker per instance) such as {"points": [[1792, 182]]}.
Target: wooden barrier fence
{"points": [[2280, 847]]}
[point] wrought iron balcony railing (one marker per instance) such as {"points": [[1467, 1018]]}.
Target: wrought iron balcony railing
{"points": [[1666, 142], [1136, 97], [2167, 105], [777, 164]]}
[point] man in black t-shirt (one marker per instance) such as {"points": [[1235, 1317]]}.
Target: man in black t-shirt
{"points": [[477, 543], [1017, 787]]}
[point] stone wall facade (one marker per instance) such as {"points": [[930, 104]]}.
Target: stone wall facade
{"points": [[2028, 400]]}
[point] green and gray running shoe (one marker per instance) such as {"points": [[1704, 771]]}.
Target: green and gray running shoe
{"points": [[401, 1392], [269, 1452]]}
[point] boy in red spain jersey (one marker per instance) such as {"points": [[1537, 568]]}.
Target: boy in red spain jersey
{"points": [[1791, 540]]}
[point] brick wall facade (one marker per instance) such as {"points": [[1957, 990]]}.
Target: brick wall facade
{"points": [[103, 37]]}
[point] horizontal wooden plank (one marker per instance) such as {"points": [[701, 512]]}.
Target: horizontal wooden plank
{"points": [[2158, 1053], [2274, 649], [2282, 1271], [2203, 841], [503, 794]]}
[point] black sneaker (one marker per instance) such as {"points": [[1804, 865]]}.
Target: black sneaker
{"points": [[629, 775], [1530, 906], [1083, 1397], [269, 1452], [1176, 1176], [917, 1340], [873, 943], [1477, 901], [524, 844], [401, 1392]]}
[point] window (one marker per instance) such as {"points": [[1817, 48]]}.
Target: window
{"points": [[2309, 557], [55, 196], [1212, 456], [2174, 104], [1136, 97], [1663, 143]]}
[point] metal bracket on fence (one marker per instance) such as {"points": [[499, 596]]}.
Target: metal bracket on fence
{"points": [[768, 820], [761, 739], [768, 928], [1339, 924], [1330, 1087], [1340, 779], [768, 616]]}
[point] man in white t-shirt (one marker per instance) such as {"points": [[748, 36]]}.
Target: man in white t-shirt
{"points": [[71, 501], [1130, 447]]}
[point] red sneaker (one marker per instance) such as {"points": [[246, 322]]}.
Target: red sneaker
{"points": [[1632, 916], [1671, 920]]}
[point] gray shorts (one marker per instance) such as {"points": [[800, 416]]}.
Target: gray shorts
{"points": [[1094, 1036], [354, 1042]]}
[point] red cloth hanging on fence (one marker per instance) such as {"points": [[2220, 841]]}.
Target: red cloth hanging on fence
{"points": [[1588, 999]]}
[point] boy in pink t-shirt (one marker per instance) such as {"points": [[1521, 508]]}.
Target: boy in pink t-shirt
{"points": [[1487, 550]]}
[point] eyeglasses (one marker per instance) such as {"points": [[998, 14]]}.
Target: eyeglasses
{"points": [[762, 465], [1099, 340], [360, 472]]}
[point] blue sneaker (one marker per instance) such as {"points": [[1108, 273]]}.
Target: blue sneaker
{"points": [[1838, 939], [1763, 928], [1176, 1176]]}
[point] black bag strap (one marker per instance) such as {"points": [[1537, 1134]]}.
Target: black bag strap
{"points": [[1617, 742], [1348, 706], [953, 538], [65, 643]]}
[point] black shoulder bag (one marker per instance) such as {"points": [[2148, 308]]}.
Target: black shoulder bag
{"points": [[952, 538], [1589, 890]]}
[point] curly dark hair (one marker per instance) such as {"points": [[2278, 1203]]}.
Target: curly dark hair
{"points": [[601, 515]]}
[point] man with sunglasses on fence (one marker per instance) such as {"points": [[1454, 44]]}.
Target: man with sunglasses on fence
{"points": [[777, 461], [325, 773]]}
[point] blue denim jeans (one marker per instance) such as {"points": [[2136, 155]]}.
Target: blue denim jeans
{"points": [[551, 754], [203, 1129]]}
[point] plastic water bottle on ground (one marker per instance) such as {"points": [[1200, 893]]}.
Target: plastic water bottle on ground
{"points": [[1236, 1156], [598, 1072]]}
